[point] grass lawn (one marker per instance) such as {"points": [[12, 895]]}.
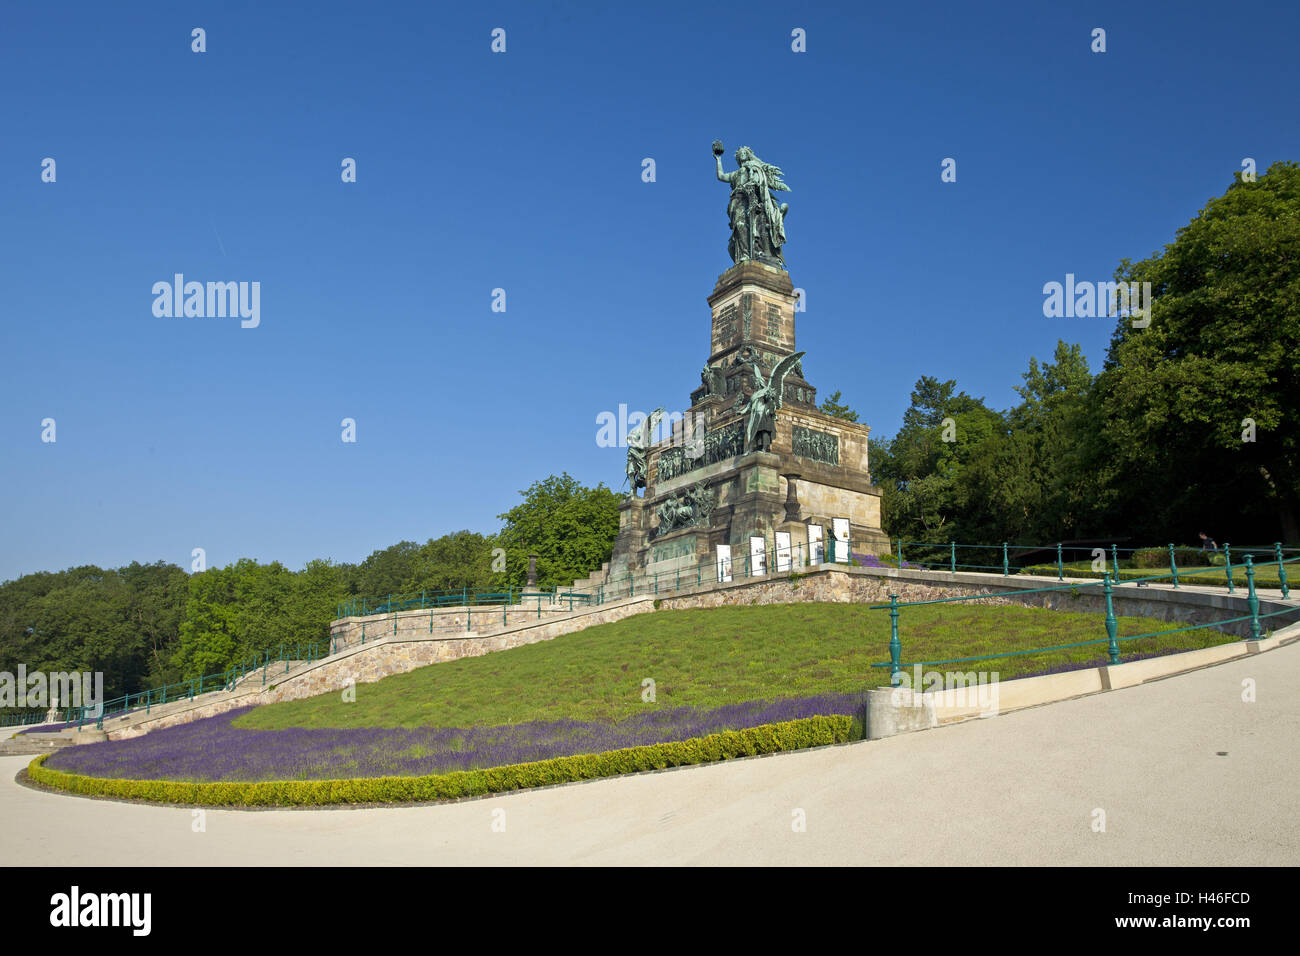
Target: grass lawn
{"points": [[711, 658]]}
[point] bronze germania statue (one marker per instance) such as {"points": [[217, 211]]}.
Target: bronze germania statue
{"points": [[757, 222]]}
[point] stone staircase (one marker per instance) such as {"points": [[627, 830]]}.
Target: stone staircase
{"points": [[245, 689], [34, 743], [592, 581]]}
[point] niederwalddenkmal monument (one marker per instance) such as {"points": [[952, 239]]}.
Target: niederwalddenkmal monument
{"points": [[754, 479]]}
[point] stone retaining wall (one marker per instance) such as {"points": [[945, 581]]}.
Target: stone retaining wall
{"points": [[438, 623]]}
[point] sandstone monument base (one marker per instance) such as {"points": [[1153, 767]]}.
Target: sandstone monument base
{"points": [[710, 483]]}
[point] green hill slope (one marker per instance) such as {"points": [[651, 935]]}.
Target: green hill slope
{"points": [[708, 658]]}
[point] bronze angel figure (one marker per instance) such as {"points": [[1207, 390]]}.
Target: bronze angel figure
{"points": [[763, 404]]}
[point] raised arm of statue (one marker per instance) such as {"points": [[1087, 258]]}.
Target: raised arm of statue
{"points": [[717, 156]]}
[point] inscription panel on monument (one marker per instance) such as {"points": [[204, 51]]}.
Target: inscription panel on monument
{"points": [[727, 328]]}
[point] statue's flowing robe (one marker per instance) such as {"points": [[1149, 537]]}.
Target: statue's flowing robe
{"points": [[751, 179]]}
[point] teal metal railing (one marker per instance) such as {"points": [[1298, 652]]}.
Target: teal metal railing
{"points": [[29, 718], [425, 600], [1108, 584], [1065, 561], [263, 665]]}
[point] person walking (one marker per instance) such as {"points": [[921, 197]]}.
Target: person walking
{"points": [[1210, 547]]}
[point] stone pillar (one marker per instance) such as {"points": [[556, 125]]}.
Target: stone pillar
{"points": [[532, 572], [791, 497]]}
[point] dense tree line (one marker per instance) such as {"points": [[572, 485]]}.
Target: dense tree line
{"points": [[148, 625], [1189, 425]]}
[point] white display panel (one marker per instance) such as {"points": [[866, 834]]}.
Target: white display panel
{"points": [[816, 546], [840, 528], [757, 556], [782, 551], [724, 563]]}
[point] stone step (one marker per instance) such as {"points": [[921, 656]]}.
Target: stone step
{"points": [[31, 744]]}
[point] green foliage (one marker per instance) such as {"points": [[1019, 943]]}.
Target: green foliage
{"points": [[150, 625], [727, 745], [120, 622], [831, 406], [1159, 558], [1222, 347], [462, 559], [570, 527], [246, 607], [924, 470], [1152, 447]]}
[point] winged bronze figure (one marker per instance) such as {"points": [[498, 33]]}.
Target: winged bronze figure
{"points": [[638, 450], [763, 404]]}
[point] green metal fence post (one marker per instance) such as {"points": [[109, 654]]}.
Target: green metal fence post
{"points": [[952, 557], [1112, 626], [900, 554], [895, 646], [1252, 599], [1060, 568], [1227, 563], [1114, 562], [1281, 570], [1173, 565], [1006, 569]]}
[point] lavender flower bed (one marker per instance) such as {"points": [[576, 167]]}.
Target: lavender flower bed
{"points": [[212, 750]]}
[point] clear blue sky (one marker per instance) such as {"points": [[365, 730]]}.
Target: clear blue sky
{"points": [[522, 171]]}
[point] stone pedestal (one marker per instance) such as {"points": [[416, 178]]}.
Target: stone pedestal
{"points": [[816, 469]]}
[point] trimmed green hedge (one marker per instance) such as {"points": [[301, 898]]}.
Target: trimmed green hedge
{"points": [[767, 739], [1159, 558]]}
